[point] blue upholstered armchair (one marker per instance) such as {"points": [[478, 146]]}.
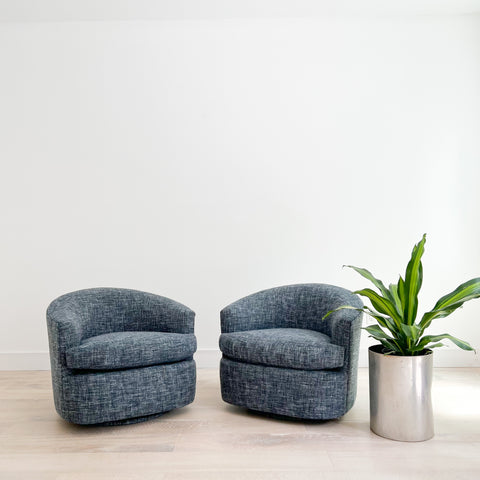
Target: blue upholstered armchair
{"points": [[120, 356], [280, 357]]}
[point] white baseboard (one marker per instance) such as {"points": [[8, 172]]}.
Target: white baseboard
{"points": [[210, 358], [24, 361]]}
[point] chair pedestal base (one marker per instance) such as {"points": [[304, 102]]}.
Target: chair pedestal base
{"points": [[128, 421]]}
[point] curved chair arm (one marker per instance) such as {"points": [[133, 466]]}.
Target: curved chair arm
{"points": [[64, 327], [341, 325], [344, 328], [65, 330], [291, 306]]}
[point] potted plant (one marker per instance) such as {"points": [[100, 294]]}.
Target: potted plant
{"points": [[400, 367]]}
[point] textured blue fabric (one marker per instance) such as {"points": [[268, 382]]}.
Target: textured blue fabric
{"points": [[306, 394], [295, 391], [92, 396], [119, 350], [283, 347]]}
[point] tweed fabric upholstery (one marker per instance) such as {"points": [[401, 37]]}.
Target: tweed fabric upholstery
{"points": [[120, 350], [283, 347], [321, 393], [97, 396], [303, 394], [109, 396]]}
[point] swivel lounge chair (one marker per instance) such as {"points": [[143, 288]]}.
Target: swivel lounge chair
{"points": [[281, 358], [120, 356]]}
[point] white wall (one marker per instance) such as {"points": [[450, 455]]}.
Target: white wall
{"points": [[207, 159]]}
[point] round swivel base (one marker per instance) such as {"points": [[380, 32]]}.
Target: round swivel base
{"points": [[129, 421]]}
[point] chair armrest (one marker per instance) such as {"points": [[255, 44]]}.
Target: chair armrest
{"points": [[344, 325], [166, 315], [64, 326]]}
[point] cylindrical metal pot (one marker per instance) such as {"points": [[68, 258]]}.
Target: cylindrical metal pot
{"points": [[400, 395]]}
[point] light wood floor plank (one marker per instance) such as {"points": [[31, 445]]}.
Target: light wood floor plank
{"points": [[210, 439]]}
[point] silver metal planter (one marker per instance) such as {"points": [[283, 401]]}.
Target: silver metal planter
{"points": [[400, 395]]}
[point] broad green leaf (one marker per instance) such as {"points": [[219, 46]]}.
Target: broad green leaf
{"points": [[381, 304], [387, 323], [465, 291], [393, 343], [343, 307], [377, 332], [416, 348], [401, 292], [413, 282], [390, 346], [453, 300], [432, 315], [396, 298], [411, 331], [435, 338], [378, 283]]}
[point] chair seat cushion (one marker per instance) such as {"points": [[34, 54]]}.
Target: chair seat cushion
{"points": [[113, 351], [283, 347]]}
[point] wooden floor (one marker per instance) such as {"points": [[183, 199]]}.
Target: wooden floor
{"points": [[210, 439]]}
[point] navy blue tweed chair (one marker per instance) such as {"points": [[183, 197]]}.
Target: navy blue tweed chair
{"points": [[280, 357], [120, 356]]}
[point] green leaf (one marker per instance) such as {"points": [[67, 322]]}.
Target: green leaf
{"points": [[413, 282], [376, 332], [401, 292], [453, 300], [343, 307], [391, 347], [433, 314], [415, 349], [411, 331], [394, 293], [395, 344], [381, 304], [465, 291], [385, 322], [424, 342], [378, 283]]}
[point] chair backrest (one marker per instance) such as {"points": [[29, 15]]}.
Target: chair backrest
{"points": [[290, 306], [107, 310]]}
